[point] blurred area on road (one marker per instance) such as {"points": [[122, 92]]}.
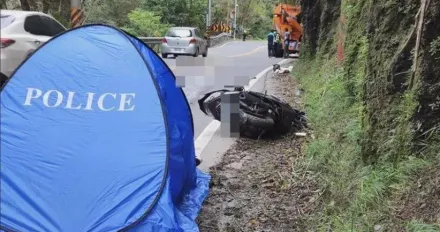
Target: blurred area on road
{"points": [[234, 61]]}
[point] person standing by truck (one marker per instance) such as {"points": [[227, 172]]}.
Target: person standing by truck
{"points": [[286, 36], [286, 42], [270, 42], [277, 44]]}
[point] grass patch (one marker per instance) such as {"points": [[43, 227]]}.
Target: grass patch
{"points": [[416, 226], [376, 170], [358, 196]]}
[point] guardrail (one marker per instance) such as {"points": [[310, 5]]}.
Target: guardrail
{"points": [[154, 42], [219, 39]]}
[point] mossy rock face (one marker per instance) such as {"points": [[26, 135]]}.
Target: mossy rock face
{"points": [[389, 70], [319, 18], [428, 75], [369, 110], [388, 26], [379, 46]]}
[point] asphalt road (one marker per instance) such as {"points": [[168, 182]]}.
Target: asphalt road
{"points": [[233, 63]]}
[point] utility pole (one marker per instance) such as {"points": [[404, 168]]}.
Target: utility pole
{"points": [[76, 13], [235, 18], [228, 13], [207, 19], [209, 12]]}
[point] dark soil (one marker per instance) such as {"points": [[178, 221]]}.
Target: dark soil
{"points": [[421, 201], [259, 185]]}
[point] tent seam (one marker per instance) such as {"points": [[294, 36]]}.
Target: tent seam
{"points": [[164, 178], [156, 199]]}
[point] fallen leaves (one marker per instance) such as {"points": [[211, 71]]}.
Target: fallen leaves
{"points": [[260, 186]]}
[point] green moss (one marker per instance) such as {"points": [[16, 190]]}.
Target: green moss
{"points": [[435, 48], [363, 149], [355, 193]]}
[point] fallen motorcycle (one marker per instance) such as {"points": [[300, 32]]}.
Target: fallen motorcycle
{"points": [[260, 113]]}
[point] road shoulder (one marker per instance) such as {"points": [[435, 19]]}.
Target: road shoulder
{"points": [[209, 145], [257, 186]]}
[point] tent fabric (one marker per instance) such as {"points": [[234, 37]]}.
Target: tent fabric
{"points": [[176, 107], [184, 214], [95, 136]]}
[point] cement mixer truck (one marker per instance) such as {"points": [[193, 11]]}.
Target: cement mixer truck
{"points": [[286, 19]]}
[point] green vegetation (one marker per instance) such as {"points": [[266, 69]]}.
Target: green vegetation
{"points": [[366, 152], [357, 195], [415, 226], [376, 167], [145, 22], [435, 47], [153, 17]]}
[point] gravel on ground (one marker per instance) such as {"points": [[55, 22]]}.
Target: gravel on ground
{"points": [[260, 185]]}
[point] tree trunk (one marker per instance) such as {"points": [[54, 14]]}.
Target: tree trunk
{"points": [[46, 6], [245, 13], [25, 5]]}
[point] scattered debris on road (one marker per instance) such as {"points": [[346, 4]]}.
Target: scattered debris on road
{"points": [[301, 134], [258, 185], [280, 70], [277, 69]]}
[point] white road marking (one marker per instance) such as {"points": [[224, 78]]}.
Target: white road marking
{"points": [[202, 141], [205, 137]]}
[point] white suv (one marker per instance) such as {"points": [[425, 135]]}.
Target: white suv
{"points": [[22, 32]]}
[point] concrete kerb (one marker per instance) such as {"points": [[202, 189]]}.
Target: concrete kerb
{"points": [[255, 83], [211, 132]]}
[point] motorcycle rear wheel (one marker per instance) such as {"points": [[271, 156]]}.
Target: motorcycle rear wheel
{"points": [[253, 127], [265, 123]]}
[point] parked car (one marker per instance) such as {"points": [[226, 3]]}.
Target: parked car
{"points": [[22, 32], [184, 41]]}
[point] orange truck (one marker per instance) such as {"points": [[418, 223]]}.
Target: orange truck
{"points": [[285, 19]]}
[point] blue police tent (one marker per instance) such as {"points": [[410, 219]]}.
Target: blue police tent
{"points": [[95, 136]]}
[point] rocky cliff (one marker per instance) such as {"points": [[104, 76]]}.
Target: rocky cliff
{"points": [[371, 74], [390, 50]]}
